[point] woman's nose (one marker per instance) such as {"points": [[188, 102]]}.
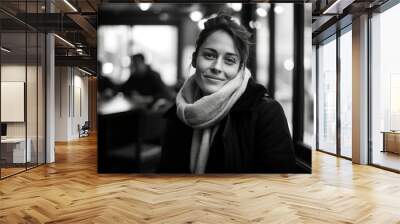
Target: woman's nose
{"points": [[217, 65]]}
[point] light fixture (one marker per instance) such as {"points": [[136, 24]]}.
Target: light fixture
{"points": [[84, 71], [70, 5], [196, 16], [144, 6], [5, 49], [337, 7], [64, 40], [261, 12]]}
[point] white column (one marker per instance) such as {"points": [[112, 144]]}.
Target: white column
{"points": [[50, 99], [50, 92], [360, 90]]}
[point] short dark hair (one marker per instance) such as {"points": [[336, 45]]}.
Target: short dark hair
{"points": [[239, 34]]}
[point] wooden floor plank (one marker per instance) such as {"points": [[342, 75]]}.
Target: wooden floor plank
{"points": [[71, 191]]}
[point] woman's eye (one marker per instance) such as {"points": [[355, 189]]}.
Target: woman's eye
{"points": [[230, 61], [209, 56]]}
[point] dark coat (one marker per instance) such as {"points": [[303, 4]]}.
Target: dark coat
{"points": [[253, 138]]}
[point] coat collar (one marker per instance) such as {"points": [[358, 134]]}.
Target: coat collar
{"points": [[251, 96]]}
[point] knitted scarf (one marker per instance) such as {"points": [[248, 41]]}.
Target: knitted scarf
{"points": [[203, 113]]}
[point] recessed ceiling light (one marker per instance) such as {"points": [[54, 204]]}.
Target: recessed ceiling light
{"points": [[64, 40], [70, 5]]}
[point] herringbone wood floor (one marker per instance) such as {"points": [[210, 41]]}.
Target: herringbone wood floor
{"points": [[71, 191]]}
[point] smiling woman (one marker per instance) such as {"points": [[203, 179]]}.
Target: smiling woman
{"points": [[218, 62], [224, 122]]}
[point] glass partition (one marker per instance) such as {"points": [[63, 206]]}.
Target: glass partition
{"points": [[41, 86], [23, 87], [13, 114], [31, 97], [346, 94], [385, 89], [327, 95]]}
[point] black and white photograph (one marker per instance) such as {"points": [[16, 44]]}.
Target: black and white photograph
{"points": [[204, 88]]}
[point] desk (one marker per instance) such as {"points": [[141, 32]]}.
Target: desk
{"points": [[16, 147], [391, 141]]}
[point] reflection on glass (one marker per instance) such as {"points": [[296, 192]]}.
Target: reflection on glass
{"points": [[345, 94], [385, 84], [13, 86], [327, 96], [41, 98], [31, 101]]}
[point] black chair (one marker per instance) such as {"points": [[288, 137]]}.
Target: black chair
{"points": [[84, 130]]}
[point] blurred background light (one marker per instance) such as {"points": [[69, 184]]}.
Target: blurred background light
{"points": [[236, 6], [144, 6], [288, 64], [107, 68], [278, 9], [196, 16], [261, 12]]}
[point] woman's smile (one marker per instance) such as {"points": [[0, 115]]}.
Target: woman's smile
{"points": [[213, 77]]}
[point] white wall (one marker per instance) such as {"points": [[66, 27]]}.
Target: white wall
{"points": [[71, 94], [61, 103]]}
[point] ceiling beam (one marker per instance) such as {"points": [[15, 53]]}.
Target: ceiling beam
{"points": [[83, 61], [86, 27], [337, 7]]}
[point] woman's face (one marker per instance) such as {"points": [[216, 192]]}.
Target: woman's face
{"points": [[217, 62]]}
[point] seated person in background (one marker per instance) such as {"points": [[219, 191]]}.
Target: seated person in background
{"points": [[145, 85]]}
